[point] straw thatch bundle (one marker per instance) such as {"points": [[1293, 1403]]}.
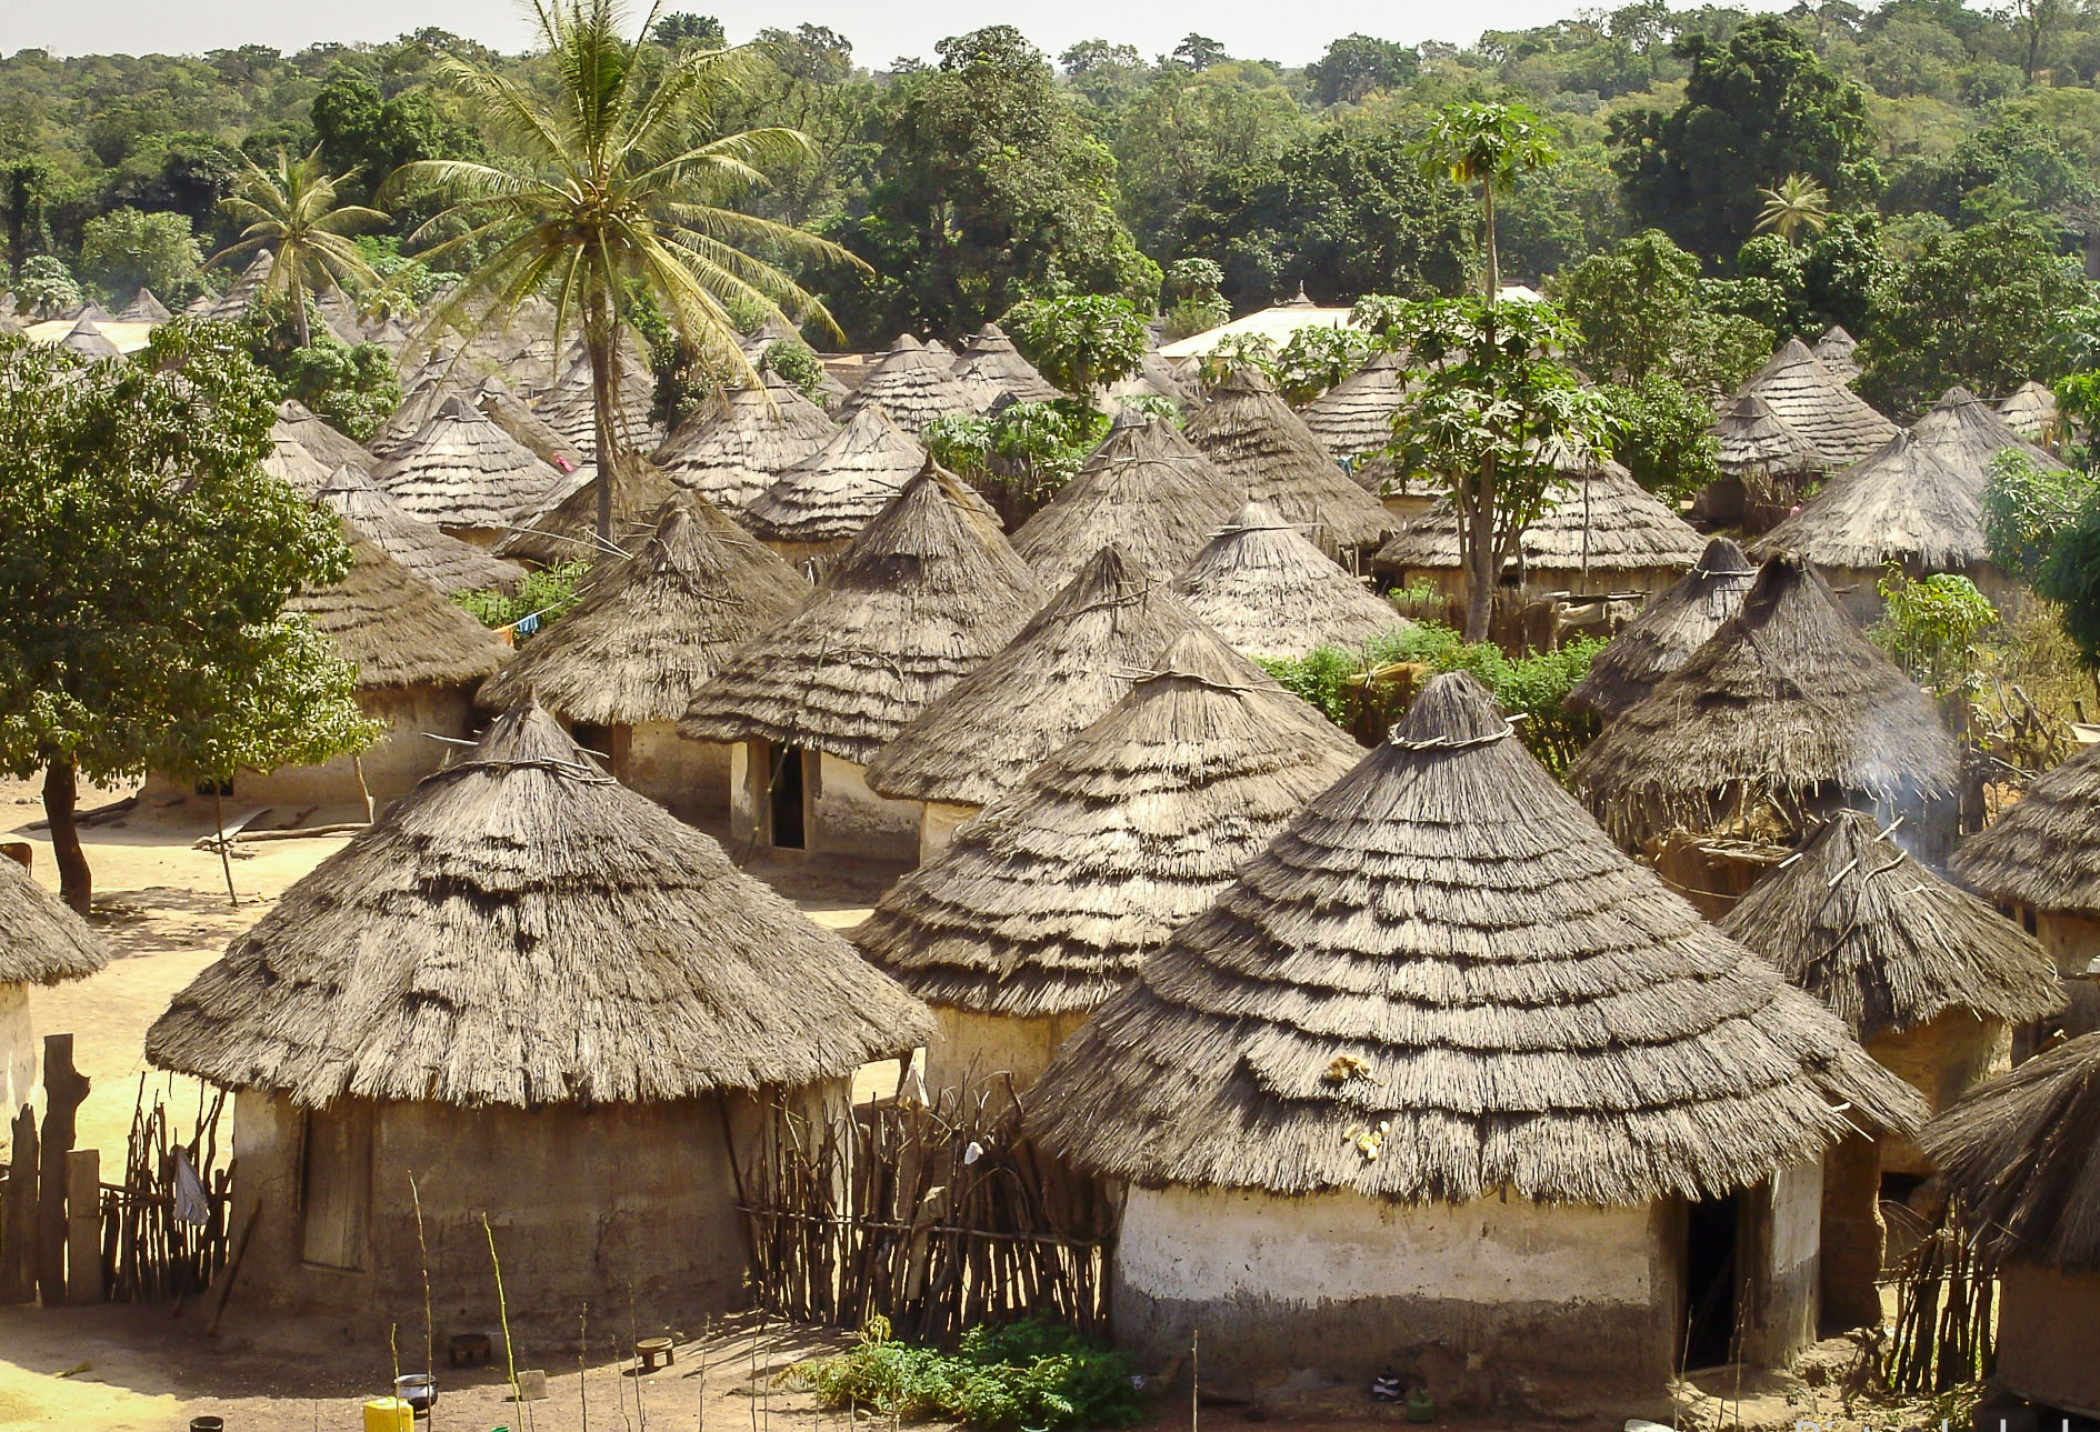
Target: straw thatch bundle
{"points": [[1074, 660], [1786, 701], [508, 411], [41, 940], [145, 308], [464, 471], [1268, 591], [88, 341], [2031, 412], [1599, 520], [1903, 504], [447, 563], [2021, 1157], [2043, 853], [1666, 633], [1051, 899], [565, 527], [914, 386], [1815, 403], [1883, 942], [1445, 942], [1757, 447], [653, 627], [521, 930], [927, 591], [1355, 416], [1835, 350], [396, 629], [331, 446], [571, 409], [92, 312], [992, 368], [732, 447], [837, 490], [427, 392], [1146, 488], [1265, 450]]}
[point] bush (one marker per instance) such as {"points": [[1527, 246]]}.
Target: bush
{"points": [[2025, 506], [799, 368], [1032, 1375], [1930, 628], [548, 593]]}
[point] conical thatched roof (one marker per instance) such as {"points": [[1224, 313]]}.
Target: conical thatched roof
{"points": [[1835, 351], [1074, 660], [565, 527], [1668, 630], [2043, 853], [41, 940], [291, 463], [2021, 1158], [508, 412], [396, 628], [914, 387], [427, 392], [1156, 377], [1883, 942], [241, 292], [1967, 434], [1267, 590], [1755, 445], [330, 446], [464, 471], [2031, 412], [445, 562], [1355, 416], [571, 410], [1903, 504], [1787, 697], [653, 627], [520, 930], [1815, 403], [992, 368], [1444, 950], [1601, 520], [1048, 901], [145, 308], [837, 490], [88, 341], [927, 591], [1146, 488], [1266, 451], [731, 449]]}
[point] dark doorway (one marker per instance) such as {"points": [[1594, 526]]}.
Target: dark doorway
{"points": [[784, 798], [1712, 1252]]}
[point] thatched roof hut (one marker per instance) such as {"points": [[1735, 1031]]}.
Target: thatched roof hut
{"points": [[1967, 434], [292, 464], [1835, 350], [1044, 905], [1442, 984], [42, 942], [330, 446], [145, 308], [466, 474], [1268, 591], [242, 291], [1668, 630], [914, 386], [425, 394], [1756, 445], [571, 409], [565, 527], [395, 628], [1266, 451], [1787, 706], [733, 447], [1072, 661], [2032, 413], [992, 369], [1815, 403], [1146, 488], [89, 342], [509, 412], [823, 501], [447, 563], [1355, 416]]}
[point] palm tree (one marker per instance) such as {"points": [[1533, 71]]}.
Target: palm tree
{"points": [[1491, 145], [616, 181], [1798, 203], [292, 210]]}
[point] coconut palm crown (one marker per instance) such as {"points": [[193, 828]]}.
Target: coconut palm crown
{"points": [[291, 210]]}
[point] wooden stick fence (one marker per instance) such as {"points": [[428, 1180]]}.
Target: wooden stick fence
{"points": [[148, 1253], [1944, 1334]]}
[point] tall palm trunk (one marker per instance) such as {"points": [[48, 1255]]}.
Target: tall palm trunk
{"points": [[298, 292], [1480, 557], [601, 341], [76, 883]]}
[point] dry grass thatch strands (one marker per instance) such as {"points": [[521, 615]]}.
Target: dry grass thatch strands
{"points": [[1668, 630], [41, 940], [291, 463], [464, 471], [914, 386], [395, 628], [447, 563], [1756, 446], [2031, 412], [1269, 592], [1266, 451], [1883, 942], [1074, 660], [1967, 434], [1146, 488], [427, 392], [732, 447], [508, 411], [1048, 901], [837, 490], [927, 591], [992, 369], [1786, 700], [89, 342], [1445, 941], [651, 628], [1355, 416], [329, 445], [1835, 351], [565, 528], [1815, 403], [2043, 853], [522, 930], [1600, 520], [145, 308], [1903, 504], [571, 409]]}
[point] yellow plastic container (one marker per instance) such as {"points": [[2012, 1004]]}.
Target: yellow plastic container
{"points": [[389, 1414]]}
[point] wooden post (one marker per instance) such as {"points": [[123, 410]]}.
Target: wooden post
{"points": [[64, 1089], [84, 1226], [18, 1218]]}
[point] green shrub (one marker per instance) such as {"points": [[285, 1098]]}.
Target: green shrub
{"points": [[549, 593], [1032, 1374], [1931, 628]]}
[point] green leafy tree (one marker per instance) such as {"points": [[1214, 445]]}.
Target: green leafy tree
{"points": [[45, 285], [1488, 146], [145, 559], [2025, 507], [364, 136], [1663, 432], [124, 251], [1931, 626], [2071, 578], [1186, 131], [1195, 303], [1019, 456], [1796, 206], [1312, 360], [1356, 65], [1198, 52], [25, 186], [291, 210], [682, 27], [1079, 344], [1642, 311], [616, 185]]}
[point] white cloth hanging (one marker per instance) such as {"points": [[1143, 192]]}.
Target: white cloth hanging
{"points": [[17, 1051]]}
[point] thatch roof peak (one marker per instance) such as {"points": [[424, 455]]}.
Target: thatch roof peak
{"points": [[521, 930], [462, 470], [992, 366], [1967, 434], [2043, 853], [1815, 402], [445, 562], [564, 526], [1756, 443], [89, 341], [1444, 955], [145, 307], [1883, 942], [1266, 589], [1355, 416], [41, 940], [1904, 503], [1147, 489], [838, 489], [731, 448], [2031, 411], [1268, 453], [1666, 633], [915, 385]]}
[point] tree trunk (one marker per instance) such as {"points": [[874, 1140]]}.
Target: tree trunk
{"points": [[1494, 264], [602, 343], [1480, 565], [76, 883], [298, 292]]}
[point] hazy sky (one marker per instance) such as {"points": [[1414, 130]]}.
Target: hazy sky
{"points": [[879, 31]]}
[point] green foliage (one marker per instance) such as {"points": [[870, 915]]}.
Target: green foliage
{"points": [[1931, 627], [354, 388], [1026, 1375], [2025, 507], [1662, 431], [125, 250], [682, 27], [46, 286], [365, 135], [1315, 359], [1020, 455], [548, 593], [2071, 578], [1079, 343], [1356, 65], [1643, 311], [800, 367], [1197, 306]]}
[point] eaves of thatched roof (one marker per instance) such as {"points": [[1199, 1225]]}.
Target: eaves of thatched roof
{"points": [[521, 930], [1444, 950], [1269, 456], [837, 490], [1815, 403], [1967, 434], [290, 462], [733, 446], [41, 940], [1051, 898], [2044, 852], [425, 549], [564, 528], [1355, 416], [461, 470], [1666, 633], [928, 590], [1600, 520], [396, 628], [329, 445], [914, 386], [992, 368], [1754, 444], [1903, 504], [1268, 591], [651, 628]]}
